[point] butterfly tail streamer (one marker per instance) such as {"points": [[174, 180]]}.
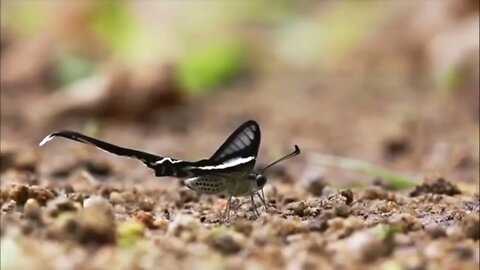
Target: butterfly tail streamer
{"points": [[147, 158], [163, 166]]}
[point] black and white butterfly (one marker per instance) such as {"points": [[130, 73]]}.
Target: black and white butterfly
{"points": [[229, 171]]}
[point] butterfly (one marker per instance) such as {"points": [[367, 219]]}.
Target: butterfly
{"points": [[229, 171]]}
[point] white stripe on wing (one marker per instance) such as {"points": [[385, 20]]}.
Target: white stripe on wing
{"points": [[173, 161], [228, 164]]}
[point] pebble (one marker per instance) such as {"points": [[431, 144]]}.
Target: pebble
{"points": [[282, 227], [76, 197], [384, 207], [354, 222], [9, 207], [455, 233], [226, 244], [342, 210], [335, 223], [147, 204], [243, 226], [435, 250], [19, 193], [161, 224], [298, 208], [42, 195], [59, 205], [32, 209], [367, 244], [471, 226], [146, 218], [97, 202], [435, 230], [128, 196], [405, 222], [321, 222], [116, 198], [348, 194], [377, 193], [183, 222], [463, 252], [94, 226]]}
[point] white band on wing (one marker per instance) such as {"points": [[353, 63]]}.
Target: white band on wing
{"points": [[230, 163], [173, 161]]}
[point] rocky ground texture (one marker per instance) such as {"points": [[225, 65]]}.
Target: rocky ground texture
{"points": [[90, 223]]}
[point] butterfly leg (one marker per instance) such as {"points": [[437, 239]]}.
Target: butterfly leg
{"points": [[226, 214], [254, 207], [263, 200]]}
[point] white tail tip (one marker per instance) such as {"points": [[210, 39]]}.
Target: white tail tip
{"points": [[45, 140]]}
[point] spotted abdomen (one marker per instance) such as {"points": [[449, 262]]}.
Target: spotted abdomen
{"points": [[206, 184]]}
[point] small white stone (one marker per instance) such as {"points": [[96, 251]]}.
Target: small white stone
{"points": [[99, 203]]}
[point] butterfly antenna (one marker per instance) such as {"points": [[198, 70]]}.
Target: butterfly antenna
{"points": [[295, 152]]}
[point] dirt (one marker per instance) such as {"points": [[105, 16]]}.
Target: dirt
{"points": [[439, 186], [373, 227]]}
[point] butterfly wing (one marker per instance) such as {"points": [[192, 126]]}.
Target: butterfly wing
{"points": [[163, 166], [237, 155], [233, 159], [243, 142]]}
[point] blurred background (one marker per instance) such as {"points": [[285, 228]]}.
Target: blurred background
{"points": [[391, 83]]}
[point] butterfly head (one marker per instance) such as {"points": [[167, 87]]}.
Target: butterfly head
{"points": [[259, 178]]}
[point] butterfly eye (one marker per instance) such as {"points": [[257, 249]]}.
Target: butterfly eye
{"points": [[261, 180]]}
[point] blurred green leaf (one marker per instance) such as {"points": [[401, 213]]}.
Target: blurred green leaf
{"points": [[211, 67], [115, 25], [69, 67]]}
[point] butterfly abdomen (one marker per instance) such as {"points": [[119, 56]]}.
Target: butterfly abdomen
{"points": [[206, 184]]}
